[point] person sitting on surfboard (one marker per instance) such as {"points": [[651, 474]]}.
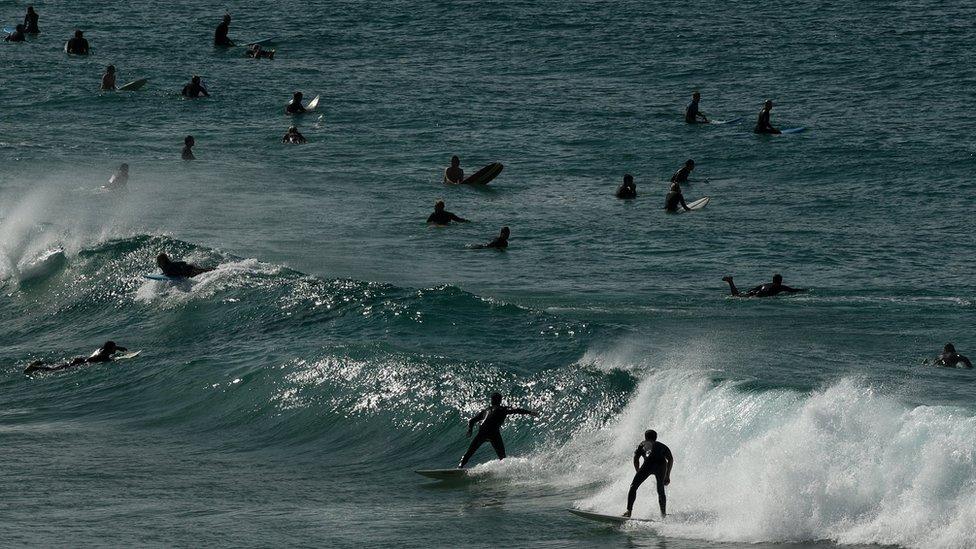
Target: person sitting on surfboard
{"points": [[491, 419], [681, 176], [256, 52], [30, 21], [692, 114], [220, 35], [293, 137], [194, 89], [103, 354], [951, 359], [628, 189], [675, 199], [658, 462], [179, 269], [120, 178], [77, 45], [17, 35], [763, 125], [454, 174], [442, 216], [763, 290], [188, 143], [108, 79], [499, 243], [295, 105]]}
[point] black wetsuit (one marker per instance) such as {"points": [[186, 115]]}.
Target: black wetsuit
{"points": [[443, 217], [188, 154], [491, 419], [30, 23], [15, 36], [77, 46], [627, 191], [681, 176], [294, 139], [656, 456], [220, 35], [499, 243], [673, 200], [194, 90], [101, 355], [770, 289], [182, 269], [691, 113], [295, 107], [763, 125], [952, 360]]}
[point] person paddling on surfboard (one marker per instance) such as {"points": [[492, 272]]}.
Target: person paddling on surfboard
{"points": [[628, 190], [675, 199], [179, 269], [16, 36], [294, 137], [658, 462], [295, 105], [491, 419], [30, 21], [108, 79], [255, 51], [681, 176], [692, 114], [220, 35], [764, 290], [951, 359], [77, 45], [442, 216], [454, 174], [499, 243], [188, 143], [103, 354], [763, 124], [194, 89]]}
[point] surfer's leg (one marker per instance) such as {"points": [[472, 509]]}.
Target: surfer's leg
{"points": [[640, 477], [478, 441], [662, 499], [498, 445], [732, 288]]}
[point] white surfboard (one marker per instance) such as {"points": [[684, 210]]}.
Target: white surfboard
{"points": [[723, 122], [443, 474], [792, 130], [127, 355], [161, 277], [696, 204], [313, 104], [608, 519], [134, 85]]}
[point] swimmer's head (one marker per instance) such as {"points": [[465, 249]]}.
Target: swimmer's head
{"points": [[189, 141], [505, 232], [777, 279], [650, 434], [30, 9], [162, 259], [628, 179], [455, 161], [110, 346], [696, 95], [949, 348], [78, 34], [123, 167], [768, 104], [110, 69], [292, 129], [195, 79], [226, 18], [439, 205], [690, 163], [297, 96], [496, 399]]}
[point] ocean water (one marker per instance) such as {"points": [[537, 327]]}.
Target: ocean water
{"points": [[286, 398]]}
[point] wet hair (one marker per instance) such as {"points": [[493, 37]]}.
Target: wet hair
{"points": [[162, 257], [439, 205], [124, 166], [110, 345], [296, 95], [78, 34], [650, 434], [949, 348], [496, 399], [195, 79], [694, 93], [689, 162], [455, 160], [188, 139], [768, 102], [110, 68], [226, 17], [505, 231], [777, 278], [628, 178]]}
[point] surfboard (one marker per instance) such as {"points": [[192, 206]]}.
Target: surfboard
{"points": [[698, 204], [134, 85], [127, 355], [608, 519], [263, 41], [484, 175], [162, 277], [792, 130], [313, 103], [443, 474], [9, 30], [721, 122]]}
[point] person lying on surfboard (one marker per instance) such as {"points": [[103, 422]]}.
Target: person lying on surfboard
{"points": [[951, 359], [681, 176], [628, 189], [454, 174], [295, 105], [194, 89], [692, 114], [675, 199], [188, 143], [491, 419], [108, 79], [103, 354], [77, 45], [499, 243], [257, 52], [762, 124], [16, 36], [179, 269], [658, 462], [763, 290], [442, 216], [293, 137], [220, 35]]}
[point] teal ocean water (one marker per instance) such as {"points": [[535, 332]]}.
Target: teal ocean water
{"points": [[286, 398]]}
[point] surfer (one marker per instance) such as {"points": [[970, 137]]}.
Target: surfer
{"points": [[692, 114], [179, 269], [293, 137], [120, 178], [220, 35], [764, 290], [763, 125], [675, 199], [194, 89], [951, 359], [658, 462], [17, 35], [499, 243], [628, 189], [454, 174], [491, 419], [295, 105], [77, 45], [442, 216], [102, 354], [108, 79], [681, 176], [188, 143], [256, 52], [30, 21]]}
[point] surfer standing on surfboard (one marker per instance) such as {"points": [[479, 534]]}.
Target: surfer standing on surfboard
{"points": [[103, 354], [692, 114], [658, 462], [454, 174], [763, 124], [491, 419]]}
